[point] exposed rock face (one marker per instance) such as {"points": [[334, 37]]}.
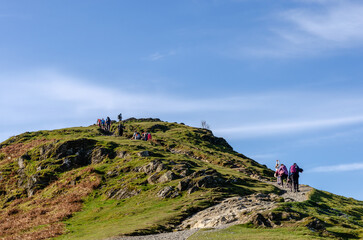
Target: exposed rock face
{"points": [[122, 193], [167, 177], [154, 166], [255, 208], [21, 161], [144, 154], [231, 210], [99, 154], [34, 182], [122, 154], [153, 179], [315, 224], [184, 184], [168, 192]]}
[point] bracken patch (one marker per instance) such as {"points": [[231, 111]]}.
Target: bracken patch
{"points": [[22, 223]]}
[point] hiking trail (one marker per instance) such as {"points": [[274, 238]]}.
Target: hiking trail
{"points": [[229, 212]]}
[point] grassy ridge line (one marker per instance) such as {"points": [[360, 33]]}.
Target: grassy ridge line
{"points": [[145, 213], [196, 146]]}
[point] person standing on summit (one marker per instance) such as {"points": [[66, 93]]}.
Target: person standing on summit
{"points": [[108, 123]]}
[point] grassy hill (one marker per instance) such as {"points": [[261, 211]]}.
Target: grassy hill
{"points": [[86, 183]]}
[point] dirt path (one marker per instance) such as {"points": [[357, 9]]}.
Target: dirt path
{"points": [[229, 212]]}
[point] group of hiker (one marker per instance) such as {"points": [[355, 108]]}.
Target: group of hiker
{"points": [[291, 176], [146, 136], [104, 124]]}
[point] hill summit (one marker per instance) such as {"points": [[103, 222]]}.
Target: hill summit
{"points": [[88, 183]]}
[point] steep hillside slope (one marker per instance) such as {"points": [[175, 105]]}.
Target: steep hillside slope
{"points": [[86, 183]]}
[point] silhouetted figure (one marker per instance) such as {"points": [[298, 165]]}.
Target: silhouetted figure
{"points": [[119, 117]]}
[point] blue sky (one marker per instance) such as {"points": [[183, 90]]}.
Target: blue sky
{"points": [[278, 79]]}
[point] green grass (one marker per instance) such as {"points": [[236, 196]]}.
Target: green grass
{"points": [[246, 232], [146, 213]]}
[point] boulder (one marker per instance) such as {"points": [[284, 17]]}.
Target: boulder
{"points": [[167, 177], [122, 193], [259, 220], [168, 192], [315, 224], [99, 154], [153, 179], [193, 189], [151, 167], [122, 154], [184, 184], [21, 161], [207, 181], [144, 154]]}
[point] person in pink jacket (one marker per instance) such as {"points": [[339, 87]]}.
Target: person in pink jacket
{"points": [[283, 173]]}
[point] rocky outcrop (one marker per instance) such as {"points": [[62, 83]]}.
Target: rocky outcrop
{"points": [[152, 167], [123, 193], [144, 154], [168, 192], [99, 154], [167, 177]]}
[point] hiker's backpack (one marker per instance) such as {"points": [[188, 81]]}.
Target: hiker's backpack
{"points": [[293, 169]]}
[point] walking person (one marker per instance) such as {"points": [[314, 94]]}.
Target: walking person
{"points": [[276, 175], [283, 173], [294, 173]]}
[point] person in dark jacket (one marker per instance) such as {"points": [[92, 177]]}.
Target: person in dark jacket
{"points": [[294, 175]]}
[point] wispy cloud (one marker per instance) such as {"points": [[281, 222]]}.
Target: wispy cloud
{"points": [[314, 28], [53, 96], [339, 168], [158, 56], [291, 127], [337, 24]]}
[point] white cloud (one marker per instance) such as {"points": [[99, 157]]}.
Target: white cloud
{"points": [[265, 129], [339, 168], [158, 56], [37, 98], [313, 28], [338, 24]]}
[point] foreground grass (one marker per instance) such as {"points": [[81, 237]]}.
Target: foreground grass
{"points": [[246, 232]]}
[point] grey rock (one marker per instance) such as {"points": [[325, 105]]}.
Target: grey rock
{"points": [[122, 154], [99, 154], [168, 192], [167, 177], [151, 167], [21, 162], [144, 154], [184, 184], [193, 189], [122, 193], [153, 179]]}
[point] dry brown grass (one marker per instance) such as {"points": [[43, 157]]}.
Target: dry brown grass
{"points": [[16, 150], [40, 218]]}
